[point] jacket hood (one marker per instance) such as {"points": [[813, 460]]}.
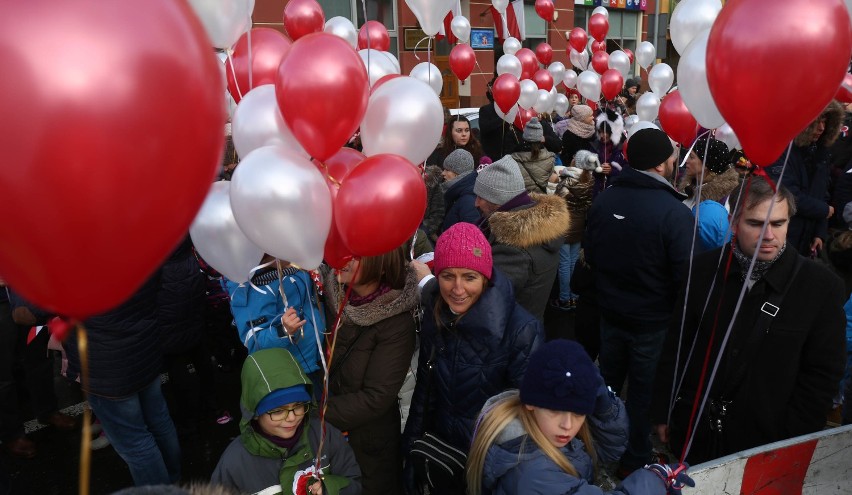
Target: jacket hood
{"points": [[631, 177], [717, 188], [390, 304], [463, 185], [834, 115], [540, 223]]}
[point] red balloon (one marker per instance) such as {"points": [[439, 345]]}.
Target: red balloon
{"points": [[462, 61], [598, 46], [544, 9], [322, 75], [376, 33], [506, 91], [268, 47], [111, 139], [600, 61], [302, 17], [382, 80], [844, 92], [543, 79], [598, 27], [676, 120], [629, 53], [335, 253], [578, 39], [342, 163], [380, 205], [611, 83], [592, 104], [777, 32], [544, 52], [529, 62], [524, 116]]}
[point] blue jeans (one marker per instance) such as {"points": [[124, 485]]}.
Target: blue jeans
{"points": [[141, 431], [568, 255], [634, 356]]}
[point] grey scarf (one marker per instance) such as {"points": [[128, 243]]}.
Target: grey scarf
{"points": [[760, 267]]}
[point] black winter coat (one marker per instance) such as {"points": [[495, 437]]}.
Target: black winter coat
{"points": [[499, 138], [572, 143], [477, 356], [791, 371], [459, 201], [181, 300], [638, 236]]}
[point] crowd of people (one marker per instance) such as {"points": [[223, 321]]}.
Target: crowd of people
{"points": [[426, 369]]}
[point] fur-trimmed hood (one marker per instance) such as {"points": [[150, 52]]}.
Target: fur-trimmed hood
{"points": [[540, 223], [390, 304], [716, 188], [834, 115]]}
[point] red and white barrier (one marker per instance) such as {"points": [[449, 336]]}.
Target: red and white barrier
{"points": [[819, 463]]}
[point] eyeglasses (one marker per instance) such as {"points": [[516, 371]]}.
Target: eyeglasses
{"points": [[283, 413]]}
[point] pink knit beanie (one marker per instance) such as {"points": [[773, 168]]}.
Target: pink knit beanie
{"points": [[463, 246]]}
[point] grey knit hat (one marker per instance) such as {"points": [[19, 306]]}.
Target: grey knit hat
{"points": [[459, 161], [533, 133], [500, 181]]}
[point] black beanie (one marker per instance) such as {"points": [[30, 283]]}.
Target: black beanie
{"points": [[718, 156], [648, 148], [560, 376]]}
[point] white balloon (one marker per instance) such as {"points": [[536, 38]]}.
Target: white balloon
{"points": [[570, 79], [561, 105], [430, 13], [601, 10], [224, 20], [257, 123], [630, 121], [725, 134], [544, 101], [557, 70], [511, 45], [589, 85], [579, 60], [689, 18], [509, 64], [693, 85], [460, 27], [648, 107], [430, 74], [638, 126], [660, 79], [282, 204], [508, 117], [500, 5], [404, 117], [645, 54], [380, 64], [343, 27], [529, 94], [619, 61]]}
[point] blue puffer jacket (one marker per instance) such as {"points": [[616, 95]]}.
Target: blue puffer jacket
{"points": [[459, 201], [258, 314], [477, 356]]}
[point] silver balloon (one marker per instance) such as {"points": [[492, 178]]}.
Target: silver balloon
{"points": [[219, 240], [601, 10], [282, 204], [579, 60], [529, 94], [508, 117], [630, 121], [257, 123], [430, 74], [648, 107], [570, 79], [544, 101], [589, 85], [660, 79], [645, 54], [380, 64], [224, 20], [619, 61], [404, 117], [725, 134], [511, 46], [343, 27], [460, 27], [557, 70], [689, 18], [561, 105], [430, 13], [638, 126], [509, 64], [693, 85]]}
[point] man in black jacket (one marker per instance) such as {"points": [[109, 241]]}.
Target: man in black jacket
{"points": [[638, 237], [785, 353]]}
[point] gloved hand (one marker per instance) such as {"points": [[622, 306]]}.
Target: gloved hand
{"points": [[673, 475]]}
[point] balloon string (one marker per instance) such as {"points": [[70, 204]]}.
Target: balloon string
{"points": [[367, 31], [229, 52], [417, 45], [250, 68], [86, 443]]}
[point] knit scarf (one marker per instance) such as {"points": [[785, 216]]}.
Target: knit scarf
{"points": [[760, 267], [356, 300], [580, 128]]}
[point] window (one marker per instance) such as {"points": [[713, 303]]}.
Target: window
{"points": [[623, 27], [383, 11]]}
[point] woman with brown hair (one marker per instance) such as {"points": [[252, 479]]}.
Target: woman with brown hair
{"points": [[457, 135]]}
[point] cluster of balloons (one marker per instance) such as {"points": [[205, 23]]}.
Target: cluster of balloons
{"points": [[299, 193]]}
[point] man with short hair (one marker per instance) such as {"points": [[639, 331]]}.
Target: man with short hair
{"points": [[785, 353], [638, 237]]}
